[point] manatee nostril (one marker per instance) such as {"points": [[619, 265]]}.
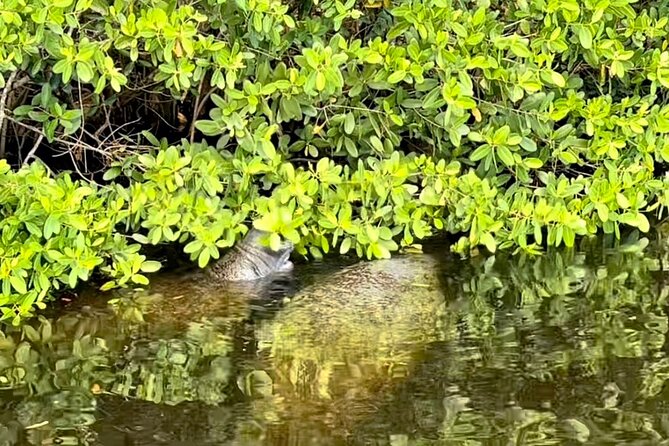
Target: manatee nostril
{"points": [[287, 266]]}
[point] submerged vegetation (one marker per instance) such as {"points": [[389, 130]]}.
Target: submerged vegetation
{"points": [[348, 127]]}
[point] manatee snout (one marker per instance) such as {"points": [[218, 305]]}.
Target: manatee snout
{"points": [[252, 259]]}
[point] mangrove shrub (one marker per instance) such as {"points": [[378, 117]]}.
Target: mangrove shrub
{"points": [[357, 126]]}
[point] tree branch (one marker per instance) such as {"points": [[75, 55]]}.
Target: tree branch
{"points": [[3, 104], [199, 104], [34, 149]]}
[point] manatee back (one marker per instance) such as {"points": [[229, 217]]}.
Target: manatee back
{"points": [[369, 283], [361, 310]]}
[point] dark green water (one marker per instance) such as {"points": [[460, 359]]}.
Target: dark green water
{"points": [[567, 348]]}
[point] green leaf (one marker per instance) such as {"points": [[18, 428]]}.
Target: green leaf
{"points": [[429, 196], [351, 148], [108, 285], [558, 79], [533, 163], [397, 76], [567, 157], [520, 49], [349, 123], [141, 238], [617, 69], [139, 279], [18, 283], [193, 247], [622, 201], [203, 258], [636, 219], [602, 211], [111, 173], [23, 110], [275, 241], [480, 153], [501, 135], [489, 241], [100, 85], [506, 156], [320, 81], [209, 128], [327, 224], [584, 36], [150, 266], [642, 222], [267, 150], [528, 144], [84, 72], [51, 226], [67, 72], [288, 20], [376, 143]]}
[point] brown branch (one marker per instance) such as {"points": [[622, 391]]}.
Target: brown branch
{"points": [[198, 108], [113, 131], [72, 145], [3, 104], [195, 111]]}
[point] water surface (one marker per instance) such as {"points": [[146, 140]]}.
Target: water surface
{"points": [[566, 348]]}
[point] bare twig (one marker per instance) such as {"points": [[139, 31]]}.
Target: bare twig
{"points": [[34, 149], [81, 109], [3, 103], [113, 132], [198, 108], [107, 122], [195, 111], [160, 117], [76, 167], [110, 151], [62, 141]]}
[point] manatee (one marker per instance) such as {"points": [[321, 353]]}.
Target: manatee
{"points": [[338, 345], [344, 343], [251, 259], [369, 314], [398, 293]]}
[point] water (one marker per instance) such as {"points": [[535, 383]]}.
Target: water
{"points": [[568, 348]]}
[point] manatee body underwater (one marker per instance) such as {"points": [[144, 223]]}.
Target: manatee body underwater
{"points": [[383, 298], [371, 311], [379, 301], [370, 319], [361, 306], [343, 345]]}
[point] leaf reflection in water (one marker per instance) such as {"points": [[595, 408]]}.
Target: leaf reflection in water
{"points": [[566, 347]]}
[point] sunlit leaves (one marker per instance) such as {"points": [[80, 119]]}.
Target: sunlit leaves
{"points": [[439, 116]]}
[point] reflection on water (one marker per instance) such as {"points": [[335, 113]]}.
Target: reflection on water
{"points": [[567, 348]]}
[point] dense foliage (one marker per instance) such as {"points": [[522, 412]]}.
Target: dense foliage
{"points": [[345, 126]]}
